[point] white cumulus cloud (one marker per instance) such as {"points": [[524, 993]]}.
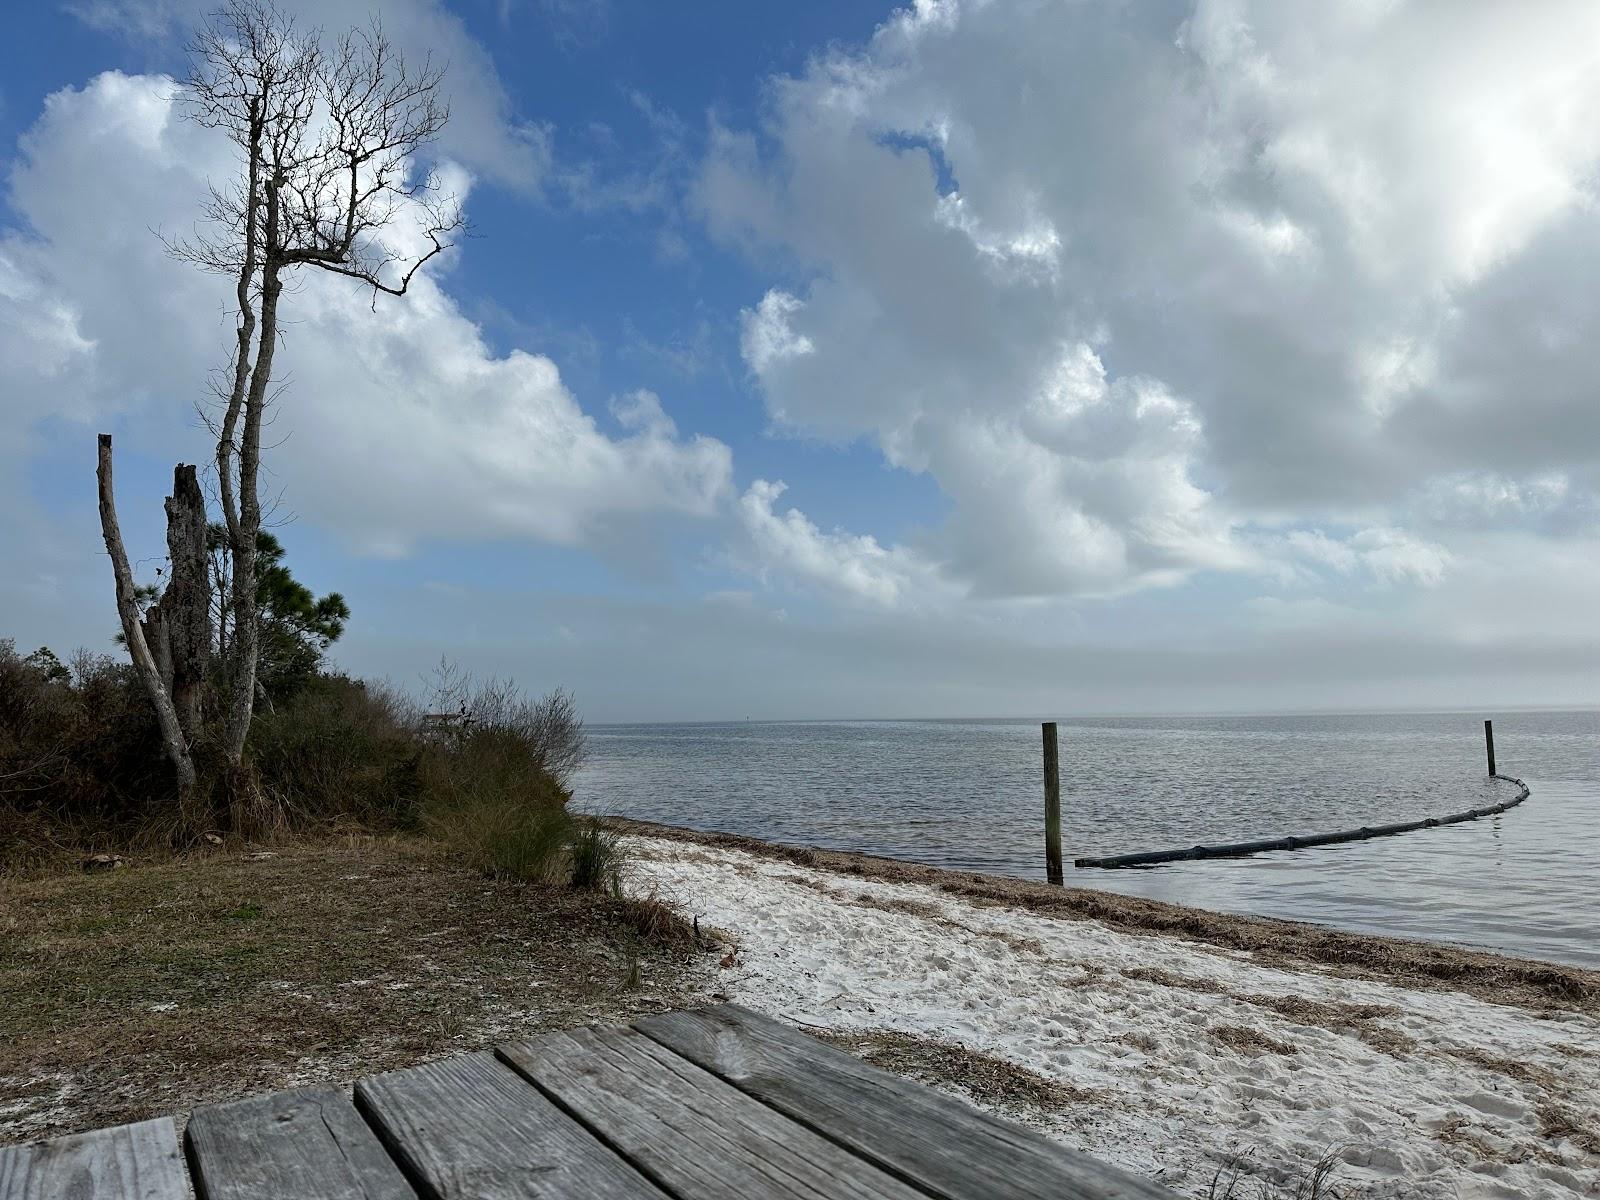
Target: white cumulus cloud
{"points": [[398, 421], [1139, 285], [852, 567]]}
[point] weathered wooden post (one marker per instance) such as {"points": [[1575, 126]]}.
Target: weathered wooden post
{"points": [[1488, 742], [1052, 805]]}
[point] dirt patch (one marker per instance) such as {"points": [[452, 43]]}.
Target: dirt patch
{"points": [[1250, 1041], [145, 991], [1500, 979], [990, 1081]]}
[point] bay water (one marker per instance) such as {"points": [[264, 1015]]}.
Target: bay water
{"points": [[968, 795]]}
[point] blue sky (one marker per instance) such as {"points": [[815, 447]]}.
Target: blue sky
{"points": [[1001, 358]]}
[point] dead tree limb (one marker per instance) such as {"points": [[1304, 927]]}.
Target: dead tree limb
{"points": [[177, 746], [186, 602]]}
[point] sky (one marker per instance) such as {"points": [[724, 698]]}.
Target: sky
{"points": [[977, 357]]}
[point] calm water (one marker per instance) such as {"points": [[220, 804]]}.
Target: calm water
{"points": [[967, 795]]}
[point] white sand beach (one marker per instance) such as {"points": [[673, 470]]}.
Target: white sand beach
{"points": [[1173, 1058]]}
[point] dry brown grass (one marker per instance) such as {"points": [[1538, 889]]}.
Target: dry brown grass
{"points": [[1511, 1068], [1559, 1123], [1250, 1041], [989, 1080], [899, 904], [921, 909], [1459, 1132], [1360, 1020], [656, 921], [1553, 1099], [1498, 978], [145, 991], [1571, 1051], [1169, 979]]}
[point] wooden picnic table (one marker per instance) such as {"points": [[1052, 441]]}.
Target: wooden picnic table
{"points": [[712, 1104]]}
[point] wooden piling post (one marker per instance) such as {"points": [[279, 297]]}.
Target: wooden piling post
{"points": [[1488, 742], [1052, 805]]}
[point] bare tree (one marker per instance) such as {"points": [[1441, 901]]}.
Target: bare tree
{"points": [[145, 663], [328, 135]]}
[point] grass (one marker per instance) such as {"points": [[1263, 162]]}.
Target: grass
{"points": [[507, 840], [149, 990], [1314, 1183], [596, 856], [656, 921]]}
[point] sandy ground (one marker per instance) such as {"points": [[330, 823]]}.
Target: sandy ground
{"points": [[1171, 1055]]}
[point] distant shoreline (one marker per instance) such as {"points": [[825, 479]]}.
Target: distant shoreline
{"points": [[1216, 715], [1487, 975]]}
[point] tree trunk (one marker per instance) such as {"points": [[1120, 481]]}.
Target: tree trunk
{"points": [[144, 663], [252, 810], [155, 637], [246, 634], [186, 603]]}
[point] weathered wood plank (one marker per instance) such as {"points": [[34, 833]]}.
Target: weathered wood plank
{"points": [[471, 1128], [310, 1144], [128, 1162], [946, 1147], [695, 1135]]}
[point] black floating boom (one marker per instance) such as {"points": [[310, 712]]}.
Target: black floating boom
{"points": [[1150, 858]]}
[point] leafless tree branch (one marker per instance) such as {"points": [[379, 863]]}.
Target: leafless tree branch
{"points": [[329, 136]]}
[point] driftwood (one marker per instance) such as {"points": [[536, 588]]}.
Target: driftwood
{"points": [[1151, 858]]}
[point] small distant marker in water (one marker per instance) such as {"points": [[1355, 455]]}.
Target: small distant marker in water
{"points": [[1488, 743]]}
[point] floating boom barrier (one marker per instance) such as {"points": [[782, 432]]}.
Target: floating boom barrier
{"points": [[1150, 858]]}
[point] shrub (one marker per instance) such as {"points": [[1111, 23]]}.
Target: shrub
{"points": [[77, 745], [342, 751], [495, 770], [486, 776], [548, 729], [81, 765]]}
